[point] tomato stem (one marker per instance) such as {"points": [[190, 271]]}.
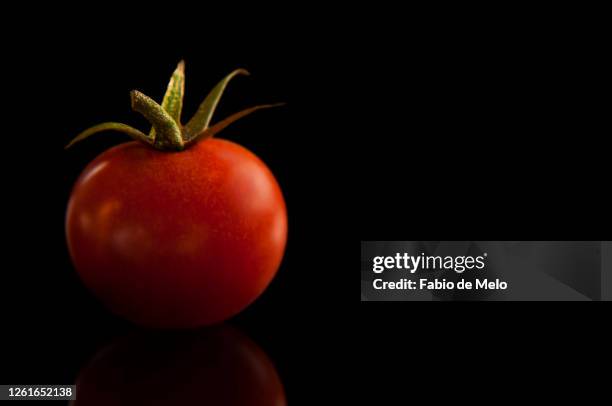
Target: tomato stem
{"points": [[167, 133]]}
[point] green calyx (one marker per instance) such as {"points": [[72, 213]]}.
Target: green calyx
{"points": [[168, 134]]}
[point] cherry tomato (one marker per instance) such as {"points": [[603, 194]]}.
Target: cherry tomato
{"points": [[177, 239], [216, 367]]}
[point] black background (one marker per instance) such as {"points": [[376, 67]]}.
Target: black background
{"points": [[393, 131], [490, 127]]}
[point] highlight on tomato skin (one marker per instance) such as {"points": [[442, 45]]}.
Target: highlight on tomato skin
{"points": [[178, 229], [214, 366]]}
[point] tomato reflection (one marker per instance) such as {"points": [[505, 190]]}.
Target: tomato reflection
{"points": [[215, 366]]}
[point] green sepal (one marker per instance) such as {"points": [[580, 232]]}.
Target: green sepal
{"points": [[211, 131], [173, 99], [112, 126], [201, 119]]}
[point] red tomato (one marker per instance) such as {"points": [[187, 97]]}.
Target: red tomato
{"points": [[217, 367], [177, 239]]}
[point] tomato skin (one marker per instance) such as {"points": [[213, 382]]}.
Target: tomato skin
{"points": [[177, 239]]}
